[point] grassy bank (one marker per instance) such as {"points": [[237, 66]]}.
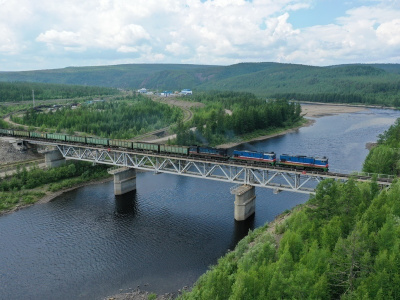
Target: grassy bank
{"points": [[27, 187]]}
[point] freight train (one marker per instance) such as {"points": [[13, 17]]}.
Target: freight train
{"points": [[300, 162]]}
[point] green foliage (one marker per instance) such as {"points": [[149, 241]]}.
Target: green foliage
{"points": [[343, 245], [382, 159], [8, 200], [152, 296], [111, 119], [385, 157], [22, 91], [249, 114]]}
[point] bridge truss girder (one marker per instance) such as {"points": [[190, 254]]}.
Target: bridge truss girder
{"points": [[231, 172]]}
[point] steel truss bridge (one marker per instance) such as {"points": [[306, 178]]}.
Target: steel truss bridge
{"points": [[237, 172]]}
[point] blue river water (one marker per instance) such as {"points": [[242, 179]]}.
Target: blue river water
{"points": [[90, 244]]}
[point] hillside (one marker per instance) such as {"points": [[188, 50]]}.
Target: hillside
{"points": [[118, 76], [356, 83]]}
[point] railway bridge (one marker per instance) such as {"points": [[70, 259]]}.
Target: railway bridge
{"points": [[124, 163]]}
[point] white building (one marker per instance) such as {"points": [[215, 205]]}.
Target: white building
{"points": [[142, 91], [186, 92]]}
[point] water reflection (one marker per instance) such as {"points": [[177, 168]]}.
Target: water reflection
{"points": [[241, 230], [126, 205]]}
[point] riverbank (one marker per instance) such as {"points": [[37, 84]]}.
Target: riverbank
{"points": [[308, 111], [308, 122], [50, 196]]}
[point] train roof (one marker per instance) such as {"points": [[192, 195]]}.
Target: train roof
{"points": [[249, 151], [305, 156]]}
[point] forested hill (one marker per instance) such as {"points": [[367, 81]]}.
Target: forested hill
{"points": [[356, 83], [20, 91]]}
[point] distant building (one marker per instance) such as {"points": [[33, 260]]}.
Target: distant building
{"points": [[166, 93], [142, 91], [186, 92]]}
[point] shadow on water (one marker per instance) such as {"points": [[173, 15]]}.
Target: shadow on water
{"points": [[126, 205], [241, 230]]}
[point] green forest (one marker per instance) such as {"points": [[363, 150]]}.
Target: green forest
{"points": [[377, 84], [22, 91], [344, 243], [247, 114], [111, 119]]}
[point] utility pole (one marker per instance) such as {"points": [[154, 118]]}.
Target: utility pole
{"points": [[33, 98]]}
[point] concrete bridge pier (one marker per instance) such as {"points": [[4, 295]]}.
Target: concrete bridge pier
{"points": [[124, 180], [245, 201], [53, 158]]}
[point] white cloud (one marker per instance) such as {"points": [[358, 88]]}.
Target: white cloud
{"points": [[64, 38], [389, 32], [8, 42], [127, 49], [177, 49], [192, 31]]}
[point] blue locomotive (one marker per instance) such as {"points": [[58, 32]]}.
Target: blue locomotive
{"points": [[303, 162], [266, 157]]}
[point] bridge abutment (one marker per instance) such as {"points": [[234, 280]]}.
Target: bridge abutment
{"points": [[53, 158], [245, 201], [124, 180]]}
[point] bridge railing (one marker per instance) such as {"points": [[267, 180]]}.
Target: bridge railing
{"points": [[378, 176]]}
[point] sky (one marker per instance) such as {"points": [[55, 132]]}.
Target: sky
{"points": [[49, 34]]}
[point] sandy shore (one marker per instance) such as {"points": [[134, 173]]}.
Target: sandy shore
{"points": [[320, 109]]}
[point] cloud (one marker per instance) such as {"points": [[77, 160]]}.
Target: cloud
{"points": [[64, 38], [8, 43], [194, 31], [389, 32]]}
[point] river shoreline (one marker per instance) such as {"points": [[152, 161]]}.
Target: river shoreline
{"points": [[50, 196], [309, 122], [309, 110]]}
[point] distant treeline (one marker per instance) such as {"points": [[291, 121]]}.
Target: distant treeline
{"points": [[386, 94], [327, 98], [22, 91], [357, 83]]}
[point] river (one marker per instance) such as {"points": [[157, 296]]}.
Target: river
{"points": [[90, 244]]}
